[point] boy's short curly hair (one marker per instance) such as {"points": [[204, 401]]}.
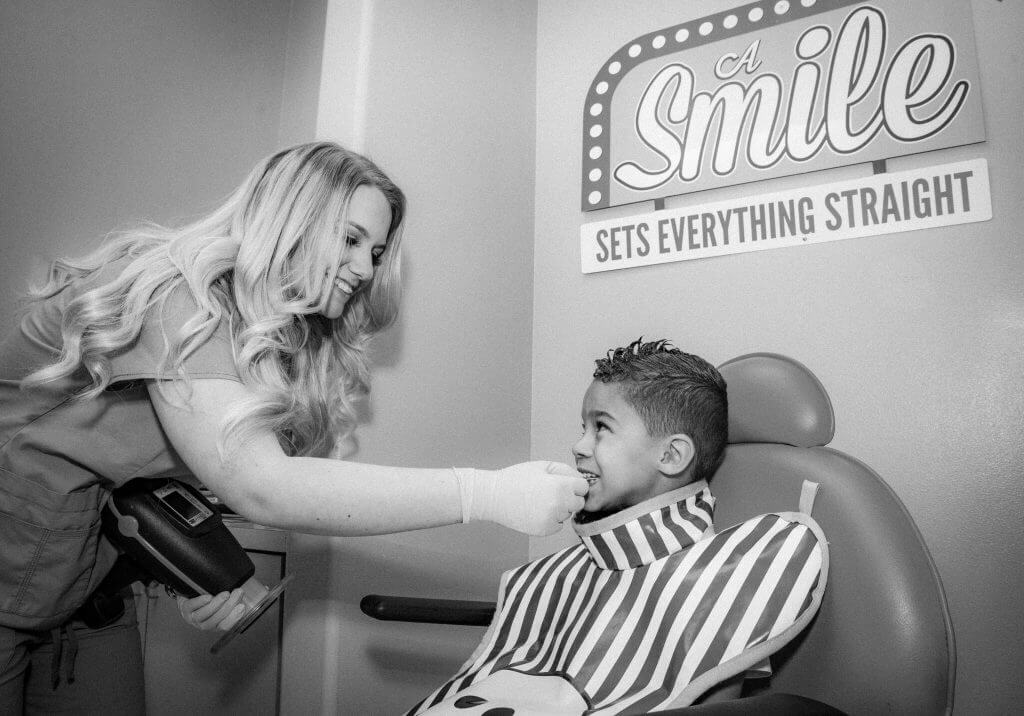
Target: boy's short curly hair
{"points": [[673, 392]]}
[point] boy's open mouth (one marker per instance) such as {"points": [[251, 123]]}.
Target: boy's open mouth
{"points": [[589, 477]]}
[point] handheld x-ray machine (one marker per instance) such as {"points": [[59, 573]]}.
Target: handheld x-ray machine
{"points": [[167, 532]]}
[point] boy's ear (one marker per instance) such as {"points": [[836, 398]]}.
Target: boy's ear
{"points": [[677, 454]]}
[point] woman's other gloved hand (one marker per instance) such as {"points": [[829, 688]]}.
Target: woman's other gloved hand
{"points": [[221, 611], [531, 497]]}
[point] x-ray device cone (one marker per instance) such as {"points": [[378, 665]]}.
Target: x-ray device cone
{"points": [[167, 532]]}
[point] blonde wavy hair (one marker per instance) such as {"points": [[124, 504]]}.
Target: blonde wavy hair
{"points": [[263, 262]]}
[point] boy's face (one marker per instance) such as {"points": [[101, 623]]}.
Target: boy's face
{"points": [[616, 449]]}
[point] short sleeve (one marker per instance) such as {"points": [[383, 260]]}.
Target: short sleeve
{"points": [[214, 358]]}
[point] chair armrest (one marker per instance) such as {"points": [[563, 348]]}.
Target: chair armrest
{"points": [[430, 611]]}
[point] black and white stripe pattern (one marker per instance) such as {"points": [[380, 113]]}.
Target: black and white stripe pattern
{"points": [[652, 535], [649, 601]]}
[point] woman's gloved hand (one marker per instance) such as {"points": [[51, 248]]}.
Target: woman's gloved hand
{"points": [[221, 611], [531, 497]]}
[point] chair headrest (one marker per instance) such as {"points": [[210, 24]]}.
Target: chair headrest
{"points": [[775, 399]]}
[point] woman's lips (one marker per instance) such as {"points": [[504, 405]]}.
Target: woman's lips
{"points": [[344, 287]]}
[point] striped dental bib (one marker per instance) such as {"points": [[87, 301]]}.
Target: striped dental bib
{"points": [[650, 610]]}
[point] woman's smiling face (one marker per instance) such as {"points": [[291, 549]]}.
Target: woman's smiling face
{"points": [[616, 451], [366, 237]]}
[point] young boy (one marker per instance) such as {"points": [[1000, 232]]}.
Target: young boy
{"points": [[655, 419], [652, 608]]}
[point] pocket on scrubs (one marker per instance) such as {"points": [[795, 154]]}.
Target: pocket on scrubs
{"points": [[50, 542]]}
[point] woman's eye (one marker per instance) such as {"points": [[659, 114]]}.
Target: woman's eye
{"points": [[601, 426]]}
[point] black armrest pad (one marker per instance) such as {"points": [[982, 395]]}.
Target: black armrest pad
{"points": [[431, 611]]}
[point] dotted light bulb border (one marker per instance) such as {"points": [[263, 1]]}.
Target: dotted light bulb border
{"points": [[701, 31]]}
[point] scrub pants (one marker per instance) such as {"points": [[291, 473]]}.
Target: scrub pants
{"points": [[99, 670]]}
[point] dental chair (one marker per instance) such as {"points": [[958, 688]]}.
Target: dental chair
{"points": [[882, 641]]}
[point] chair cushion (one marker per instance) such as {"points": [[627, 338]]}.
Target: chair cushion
{"points": [[775, 399]]}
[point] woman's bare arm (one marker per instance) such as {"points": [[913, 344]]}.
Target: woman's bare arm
{"points": [[335, 497]]}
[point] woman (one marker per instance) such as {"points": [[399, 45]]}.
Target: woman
{"points": [[233, 348]]}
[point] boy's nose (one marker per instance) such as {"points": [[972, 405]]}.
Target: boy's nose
{"points": [[581, 449]]}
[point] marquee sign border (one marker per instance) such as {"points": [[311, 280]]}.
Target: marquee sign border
{"points": [[595, 186]]}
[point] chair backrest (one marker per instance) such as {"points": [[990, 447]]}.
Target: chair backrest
{"points": [[882, 641]]}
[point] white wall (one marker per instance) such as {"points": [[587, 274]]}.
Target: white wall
{"points": [[920, 345], [303, 60], [126, 110]]}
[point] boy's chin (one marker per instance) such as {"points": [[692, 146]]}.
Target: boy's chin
{"points": [[586, 516]]}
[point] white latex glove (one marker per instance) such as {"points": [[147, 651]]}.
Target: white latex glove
{"points": [[531, 497], [207, 612]]}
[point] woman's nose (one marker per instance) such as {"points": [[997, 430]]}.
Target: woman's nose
{"points": [[361, 264]]}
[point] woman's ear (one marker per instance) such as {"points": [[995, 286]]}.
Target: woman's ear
{"points": [[677, 455]]}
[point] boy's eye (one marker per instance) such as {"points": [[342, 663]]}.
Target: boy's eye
{"points": [[378, 257], [601, 426]]}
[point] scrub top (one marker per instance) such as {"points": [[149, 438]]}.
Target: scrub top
{"points": [[59, 457]]}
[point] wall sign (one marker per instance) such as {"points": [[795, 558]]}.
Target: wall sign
{"points": [[879, 204], [772, 88]]}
